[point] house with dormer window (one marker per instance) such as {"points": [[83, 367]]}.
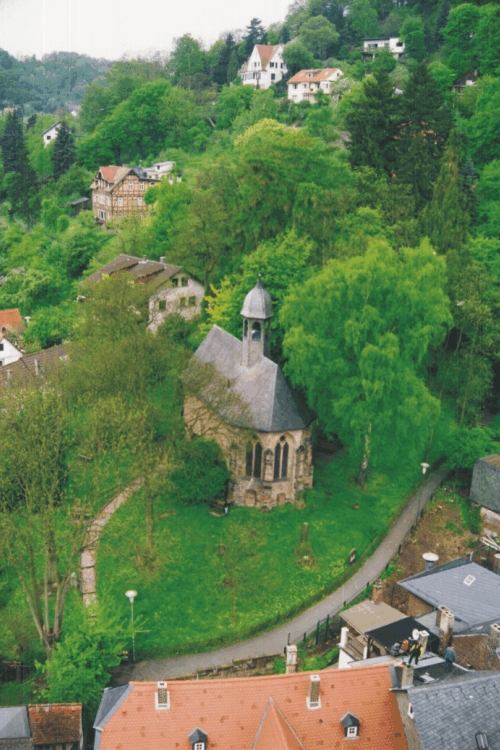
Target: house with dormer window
{"points": [[305, 84], [264, 67]]}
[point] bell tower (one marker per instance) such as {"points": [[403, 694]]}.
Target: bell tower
{"points": [[257, 312]]}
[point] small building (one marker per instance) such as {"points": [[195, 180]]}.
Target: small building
{"points": [[8, 352], [42, 727], [305, 84], [160, 169], [266, 434], [394, 44], [485, 489], [300, 711], [81, 204], [264, 67], [118, 192], [173, 288], [469, 79], [50, 134], [460, 713]]}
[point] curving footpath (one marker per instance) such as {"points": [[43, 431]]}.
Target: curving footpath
{"points": [[274, 641]]}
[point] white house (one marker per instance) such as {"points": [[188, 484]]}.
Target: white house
{"points": [[264, 67], [179, 292], [159, 169], [393, 44], [8, 352], [304, 85], [51, 133]]}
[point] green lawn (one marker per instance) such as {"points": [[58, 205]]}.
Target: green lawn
{"points": [[220, 579]]}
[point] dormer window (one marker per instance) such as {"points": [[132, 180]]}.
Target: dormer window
{"points": [[162, 697], [351, 726], [198, 739]]}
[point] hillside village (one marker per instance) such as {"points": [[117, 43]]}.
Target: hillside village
{"points": [[249, 383]]}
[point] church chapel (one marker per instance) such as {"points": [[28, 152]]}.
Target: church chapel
{"points": [[270, 456]]}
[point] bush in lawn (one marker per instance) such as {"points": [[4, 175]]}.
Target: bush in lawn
{"points": [[203, 475]]}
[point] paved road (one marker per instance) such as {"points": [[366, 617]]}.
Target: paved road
{"points": [[274, 641]]}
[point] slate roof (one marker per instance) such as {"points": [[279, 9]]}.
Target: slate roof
{"points": [[137, 267], [230, 712], [444, 586], [272, 404], [396, 631], [33, 366], [56, 723], [14, 722], [449, 714], [257, 304], [304, 76], [367, 615]]}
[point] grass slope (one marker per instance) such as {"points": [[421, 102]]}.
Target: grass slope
{"points": [[219, 580]]}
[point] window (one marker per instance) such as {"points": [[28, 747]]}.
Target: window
{"points": [[1, 362], [101, 199], [253, 460], [199, 746], [139, 201], [141, 186], [48, 137], [102, 215], [469, 580], [281, 65], [273, 76], [182, 302], [271, 65], [131, 186], [120, 202], [256, 331], [284, 462], [162, 305], [277, 461], [192, 302], [1, 347], [281, 459], [352, 732], [184, 281], [410, 711]]}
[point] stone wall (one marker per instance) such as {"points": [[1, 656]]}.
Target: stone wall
{"points": [[237, 668], [485, 488], [479, 650], [263, 492]]}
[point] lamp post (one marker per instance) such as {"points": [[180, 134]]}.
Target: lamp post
{"points": [[424, 467], [131, 596]]}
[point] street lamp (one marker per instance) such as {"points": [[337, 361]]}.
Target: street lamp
{"points": [[131, 596], [424, 467]]}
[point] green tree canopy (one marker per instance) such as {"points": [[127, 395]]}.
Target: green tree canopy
{"points": [[297, 57], [318, 36], [187, 63], [356, 335], [63, 155]]}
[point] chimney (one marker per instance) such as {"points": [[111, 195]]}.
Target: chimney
{"points": [[423, 637], [430, 560], [493, 642], [37, 367], [404, 675], [377, 591], [313, 699], [162, 259], [162, 697], [291, 659], [445, 619], [496, 563], [144, 258]]}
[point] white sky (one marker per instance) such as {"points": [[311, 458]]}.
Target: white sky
{"points": [[112, 28]]}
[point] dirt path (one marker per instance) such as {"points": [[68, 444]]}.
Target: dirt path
{"points": [[88, 583]]}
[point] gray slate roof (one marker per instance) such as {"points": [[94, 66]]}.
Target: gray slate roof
{"points": [[445, 586], [137, 267], [258, 304], [34, 366], [273, 406], [111, 700], [450, 713], [14, 723]]}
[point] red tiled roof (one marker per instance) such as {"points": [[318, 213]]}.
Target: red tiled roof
{"points": [[266, 52], [275, 733], [56, 723], [317, 77], [109, 173], [11, 319], [231, 711]]}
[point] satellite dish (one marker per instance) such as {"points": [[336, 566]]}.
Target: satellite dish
{"points": [[415, 634]]}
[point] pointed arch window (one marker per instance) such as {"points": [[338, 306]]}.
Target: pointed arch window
{"points": [[284, 462], [253, 461], [277, 461]]}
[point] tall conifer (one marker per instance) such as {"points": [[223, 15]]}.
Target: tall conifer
{"points": [[63, 155]]}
